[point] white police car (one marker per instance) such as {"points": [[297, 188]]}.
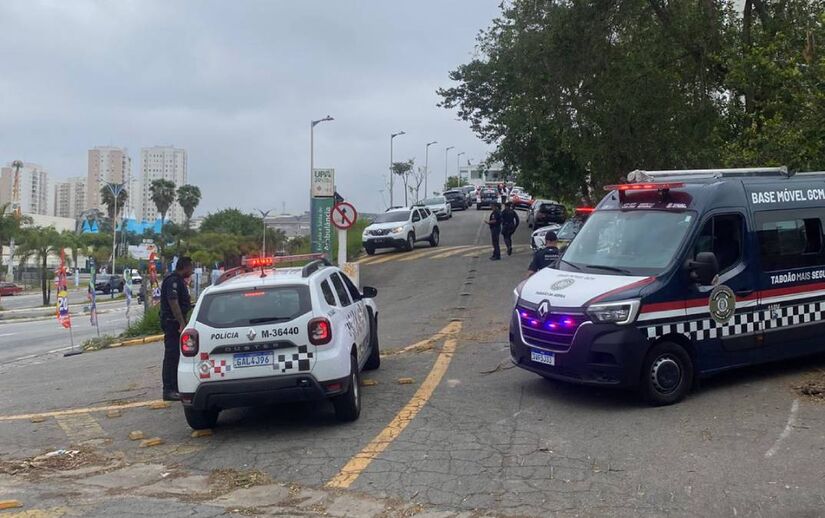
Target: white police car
{"points": [[264, 335]]}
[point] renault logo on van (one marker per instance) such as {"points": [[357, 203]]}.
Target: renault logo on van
{"points": [[251, 334], [722, 304], [544, 308]]}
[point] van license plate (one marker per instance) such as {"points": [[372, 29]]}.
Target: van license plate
{"points": [[543, 357], [242, 360]]}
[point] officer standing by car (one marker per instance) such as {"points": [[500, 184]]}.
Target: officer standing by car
{"points": [[509, 224], [547, 256], [494, 221], [175, 303]]}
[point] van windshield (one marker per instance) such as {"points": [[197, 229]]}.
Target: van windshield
{"points": [[638, 242]]}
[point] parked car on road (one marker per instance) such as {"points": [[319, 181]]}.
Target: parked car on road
{"points": [[544, 212], [401, 228], [108, 283], [438, 205], [258, 337], [537, 237], [521, 199], [9, 288], [457, 199], [486, 197]]}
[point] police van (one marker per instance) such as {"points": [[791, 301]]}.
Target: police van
{"points": [[678, 275], [264, 335]]}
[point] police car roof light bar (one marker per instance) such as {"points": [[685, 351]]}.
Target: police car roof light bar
{"points": [[640, 175], [651, 186]]}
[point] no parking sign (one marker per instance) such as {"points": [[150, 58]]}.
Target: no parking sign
{"points": [[343, 215]]}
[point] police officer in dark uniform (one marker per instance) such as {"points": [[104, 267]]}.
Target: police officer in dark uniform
{"points": [[175, 303], [494, 221], [509, 224], [547, 256]]}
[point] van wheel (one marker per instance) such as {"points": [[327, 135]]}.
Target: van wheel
{"points": [[369, 250], [410, 241], [348, 405], [201, 419], [374, 360], [667, 374], [434, 237]]}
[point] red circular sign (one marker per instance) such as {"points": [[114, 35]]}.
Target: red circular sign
{"points": [[343, 215]]}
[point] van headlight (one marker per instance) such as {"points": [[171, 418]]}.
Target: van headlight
{"points": [[620, 313]]}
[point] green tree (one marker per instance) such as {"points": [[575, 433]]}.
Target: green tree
{"points": [[41, 242], [163, 196], [108, 199], [453, 182], [189, 197], [10, 224], [403, 170], [232, 221]]}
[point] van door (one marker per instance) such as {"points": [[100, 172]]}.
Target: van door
{"points": [[727, 311], [793, 263]]}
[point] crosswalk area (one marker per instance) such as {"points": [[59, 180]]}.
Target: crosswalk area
{"points": [[443, 252]]}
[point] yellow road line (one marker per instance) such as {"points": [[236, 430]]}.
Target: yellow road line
{"points": [[455, 252], [353, 469], [75, 411], [80, 427], [432, 251]]}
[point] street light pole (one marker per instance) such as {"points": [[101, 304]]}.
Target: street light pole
{"points": [[115, 189], [458, 166], [446, 153], [427, 166], [392, 177], [312, 147], [264, 214]]}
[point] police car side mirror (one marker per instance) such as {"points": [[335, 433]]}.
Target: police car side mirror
{"points": [[370, 292], [704, 268]]}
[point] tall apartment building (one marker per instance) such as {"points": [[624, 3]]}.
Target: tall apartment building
{"points": [[162, 162], [70, 197], [34, 188], [108, 165]]}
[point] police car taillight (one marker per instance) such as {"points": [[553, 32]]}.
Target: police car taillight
{"points": [[189, 342], [320, 331]]}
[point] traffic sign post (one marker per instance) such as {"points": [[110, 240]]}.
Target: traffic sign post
{"points": [[343, 217], [321, 202]]}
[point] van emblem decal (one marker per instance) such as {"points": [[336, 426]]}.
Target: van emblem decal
{"points": [[722, 304], [544, 309], [251, 334], [560, 285]]}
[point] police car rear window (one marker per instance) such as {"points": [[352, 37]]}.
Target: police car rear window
{"points": [[254, 307]]}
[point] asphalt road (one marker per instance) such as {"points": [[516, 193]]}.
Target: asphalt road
{"points": [[469, 435], [31, 300]]}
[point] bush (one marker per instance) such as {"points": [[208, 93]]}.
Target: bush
{"points": [[98, 343], [149, 324]]}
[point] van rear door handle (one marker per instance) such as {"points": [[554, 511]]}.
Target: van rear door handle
{"points": [[743, 293]]}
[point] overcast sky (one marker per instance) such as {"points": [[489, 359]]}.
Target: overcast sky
{"points": [[236, 84]]}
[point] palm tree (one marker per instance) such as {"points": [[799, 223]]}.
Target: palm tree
{"points": [[41, 242], [163, 196], [10, 224], [189, 196], [108, 199]]}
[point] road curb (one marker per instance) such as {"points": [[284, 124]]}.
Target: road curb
{"points": [[136, 341]]}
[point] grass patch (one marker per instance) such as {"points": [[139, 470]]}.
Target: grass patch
{"points": [[148, 324], [98, 343]]}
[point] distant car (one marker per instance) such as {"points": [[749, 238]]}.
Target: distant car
{"points": [[401, 228], [520, 199], [457, 199], [438, 205], [136, 277], [469, 193], [486, 197], [537, 237], [109, 283], [572, 226], [544, 212], [8, 289]]}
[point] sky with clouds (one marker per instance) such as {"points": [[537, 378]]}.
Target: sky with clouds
{"points": [[236, 84]]}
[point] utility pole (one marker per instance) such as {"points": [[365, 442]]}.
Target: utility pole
{"points": [[392, 175], [458, 166], [16, 211], [427, 166], [264, 214], [446, 154]]}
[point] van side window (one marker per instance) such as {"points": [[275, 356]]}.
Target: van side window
{"points": [[328, 296], [722, 235], [340, 289], [789, 239]]}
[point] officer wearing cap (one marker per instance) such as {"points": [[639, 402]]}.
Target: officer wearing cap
{"points": [[547, 256], [175, 303]]}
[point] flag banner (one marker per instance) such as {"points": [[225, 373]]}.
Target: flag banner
{"points": [[63, 315], [154, 285], [127, 289], [93, 297]]}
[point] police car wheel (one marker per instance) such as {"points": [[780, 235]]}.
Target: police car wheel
{"points": [[667, 374], [374, 360], [200, 419], [370, 250], [348, 405]]}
